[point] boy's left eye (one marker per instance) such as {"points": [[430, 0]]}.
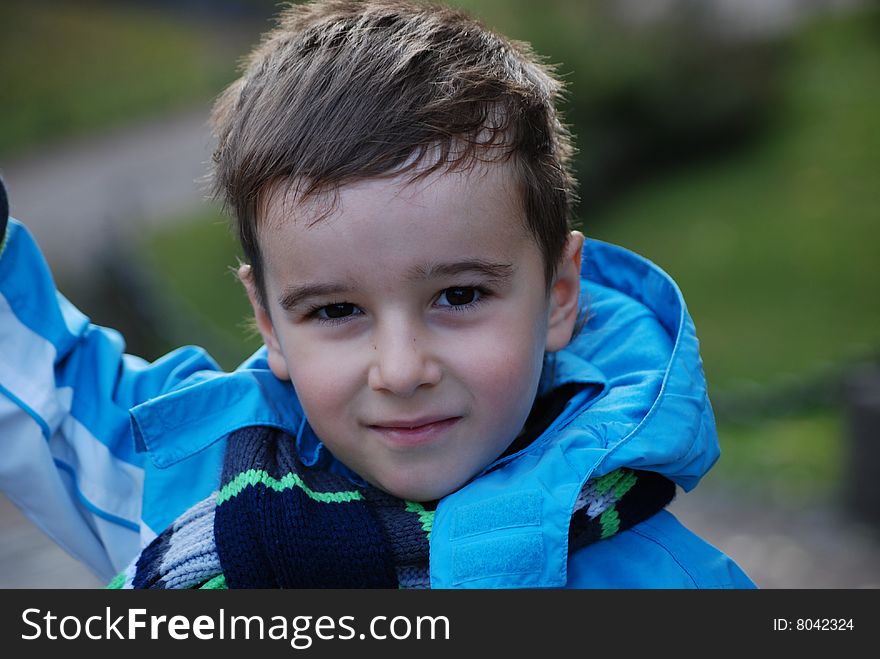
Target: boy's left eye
{"points": [[458, 296], [332, 314]]}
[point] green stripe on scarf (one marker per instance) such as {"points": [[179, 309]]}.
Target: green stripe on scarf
{"points": [[426, 517], [253, 477]]}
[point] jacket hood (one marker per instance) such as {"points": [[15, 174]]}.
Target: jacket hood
{"points": [[655, 412]]}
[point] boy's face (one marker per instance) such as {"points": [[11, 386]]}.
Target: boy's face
{"points": [[412, 322]]}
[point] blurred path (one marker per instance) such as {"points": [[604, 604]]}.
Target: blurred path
{"points": [[72, 198], [79, 197], [780, 545]]}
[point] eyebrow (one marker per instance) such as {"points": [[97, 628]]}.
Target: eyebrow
{"points": [[293, 296], [495, 271]]}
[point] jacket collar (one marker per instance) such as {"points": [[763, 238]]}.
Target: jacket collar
{"points": [[208, 406]]}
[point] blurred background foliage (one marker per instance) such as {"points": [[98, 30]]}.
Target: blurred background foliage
{"points": [[743, 160], [72, 67]]}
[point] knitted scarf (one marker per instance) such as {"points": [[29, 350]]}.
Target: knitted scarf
{"points": [[276, 523]]}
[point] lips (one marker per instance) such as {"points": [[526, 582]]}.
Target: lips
{"points": [[414, 432]]}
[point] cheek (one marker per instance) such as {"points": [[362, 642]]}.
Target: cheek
{"points": [[323, 379], [503, 367]]}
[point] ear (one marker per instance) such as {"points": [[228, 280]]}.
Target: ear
{"points": [[565, 295], [277, 362]]}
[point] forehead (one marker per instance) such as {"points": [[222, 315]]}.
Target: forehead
{"points": [[475, 213]]}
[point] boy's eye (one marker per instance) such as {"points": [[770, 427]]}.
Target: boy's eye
{"points": [[340, 310], [458, 296]]}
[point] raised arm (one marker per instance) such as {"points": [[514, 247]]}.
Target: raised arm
{"points": [[67, 457]]}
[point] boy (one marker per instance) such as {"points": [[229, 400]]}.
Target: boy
{"points": [[424, 412]]}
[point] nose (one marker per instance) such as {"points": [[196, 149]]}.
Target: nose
{"points": [[402, 361]]}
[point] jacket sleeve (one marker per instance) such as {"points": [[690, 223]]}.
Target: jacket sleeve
{"points": [[67, 458]]}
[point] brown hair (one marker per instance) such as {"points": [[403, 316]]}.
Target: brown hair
{"points": [[342, 90]]}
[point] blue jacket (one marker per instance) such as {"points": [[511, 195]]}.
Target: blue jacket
{"points": [[103, 450]]}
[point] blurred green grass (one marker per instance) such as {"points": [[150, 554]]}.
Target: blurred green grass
{"points": [[68, 68], [774, 247], [800, 458]]}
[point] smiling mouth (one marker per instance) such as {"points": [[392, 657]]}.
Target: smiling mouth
{"points": [[416, 433]]}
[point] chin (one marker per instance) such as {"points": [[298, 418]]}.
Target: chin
{"points": [[421, 491]]}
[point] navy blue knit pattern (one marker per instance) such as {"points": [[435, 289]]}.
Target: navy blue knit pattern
{"points": [[287, 539]]}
